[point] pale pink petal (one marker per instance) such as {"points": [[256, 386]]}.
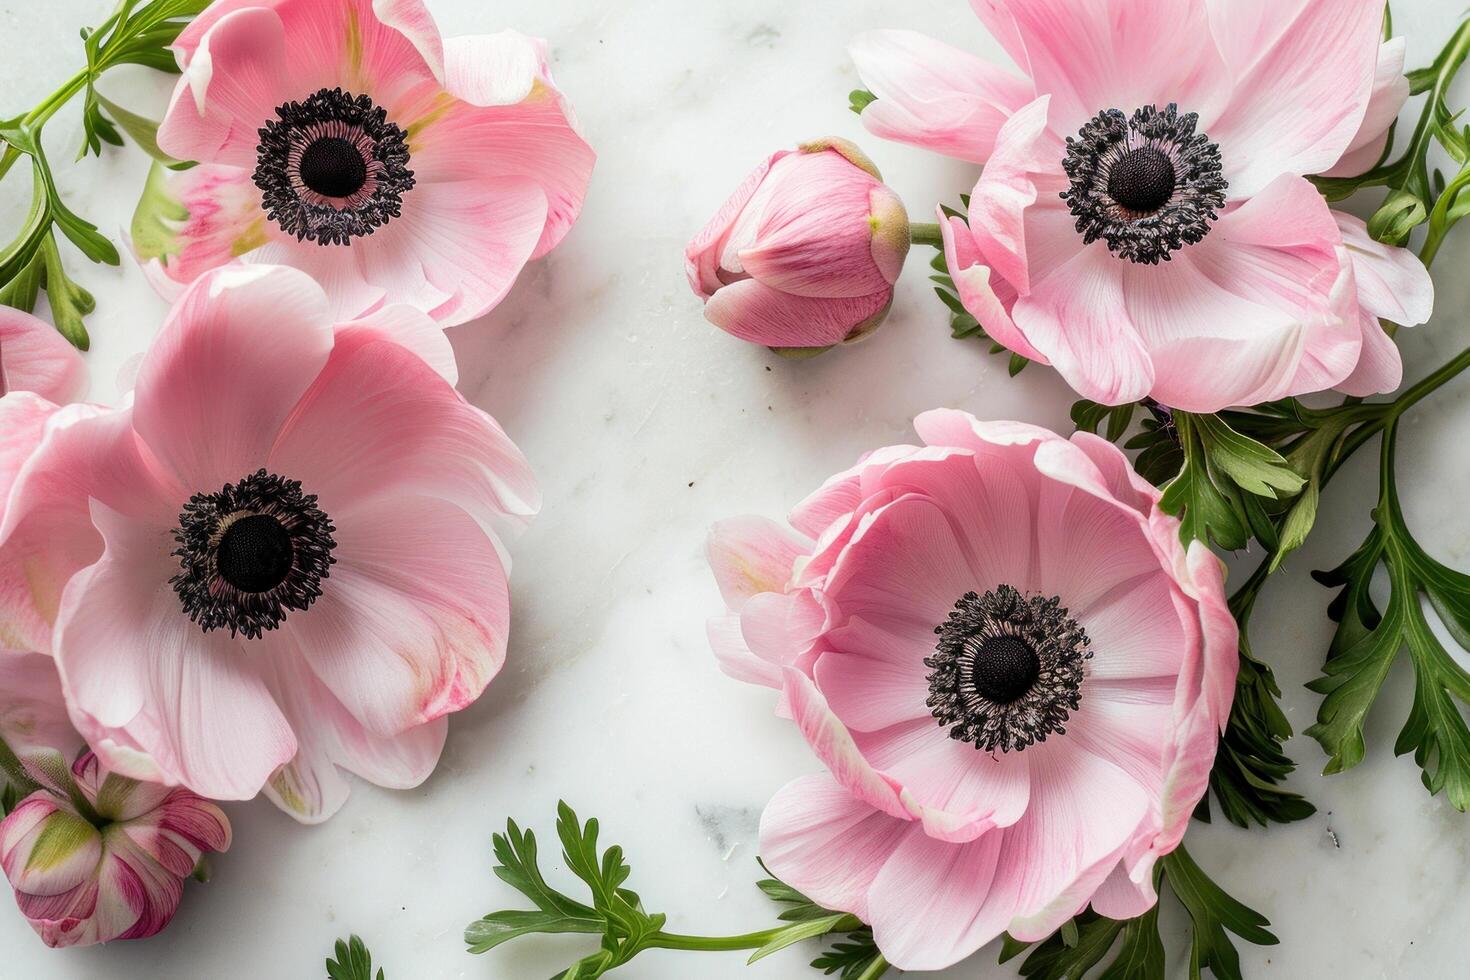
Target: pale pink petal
{"points": [[736, 660], [1390, 92], [371, 35], [380, 424], [458, 247], [239, 350], [1303, 81], [872, 693], [1089, 547], [134, 668], [237, 77], [339, 272], [1078, 317], [982, 290], [1120, 478], [812, 233], [754, 311], [1121, 54], [834, 745], [1027, 163], [1136, 632], [702, 255], [23, 417], [46, 532], [750, 555], [408, 328], [32, 710], [311, 787], [35, 357], [511, 123], [413, 621], [1120, 897], [1392, 282], [957, 790], [1282, 252], [905, 565], [819, 839], [780, 628], [933, 903], [1380, 368], [933, 95], [1083, 812], [226, 221]]}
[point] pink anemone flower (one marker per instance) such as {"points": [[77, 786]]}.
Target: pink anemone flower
{"points": [[1143, 222], [34, 357], [284, 554], [1013, 670], [348, 139]]}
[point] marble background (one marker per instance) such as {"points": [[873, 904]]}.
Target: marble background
{"points": [[645, 425]]}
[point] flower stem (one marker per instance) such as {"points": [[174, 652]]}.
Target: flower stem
{"points": [[926, 234], [714, 944]]}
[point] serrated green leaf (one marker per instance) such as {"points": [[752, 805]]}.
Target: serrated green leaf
{"points": [[486, 933], [352, 962]]}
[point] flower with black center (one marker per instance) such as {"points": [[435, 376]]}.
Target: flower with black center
{"points": [[1014, 672], [1143, 222], [348, 139], [285, 555]]}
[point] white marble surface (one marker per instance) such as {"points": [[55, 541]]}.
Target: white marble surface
{"points": [[645, 424]]}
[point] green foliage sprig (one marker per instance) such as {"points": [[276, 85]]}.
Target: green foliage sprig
{"points": [[626, 928], [139, 32]]}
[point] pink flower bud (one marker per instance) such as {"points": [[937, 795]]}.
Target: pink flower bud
{"points": [[108, 862], [804, 255]]}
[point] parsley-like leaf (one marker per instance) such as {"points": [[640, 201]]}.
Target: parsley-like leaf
{"points": [[353, 962], [618, 916], [1369, 640]]}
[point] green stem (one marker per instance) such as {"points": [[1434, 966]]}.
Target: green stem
{"points": [[715, 944], [926, 234]]}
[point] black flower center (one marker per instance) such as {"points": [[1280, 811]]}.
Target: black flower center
{"points": [[1007, 670], [1143, 181], [250, 553], [1148, 186], [332, 167], [255, 553]]}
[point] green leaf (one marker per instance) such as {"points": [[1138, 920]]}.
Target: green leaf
{"points": [[1370, 640], [1255, 468], [485, 934], [806, 929], [352, 962], [1223, 473], [859, 99], [144, 132], [855, 958], [70, 303], [1214, 916]]}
